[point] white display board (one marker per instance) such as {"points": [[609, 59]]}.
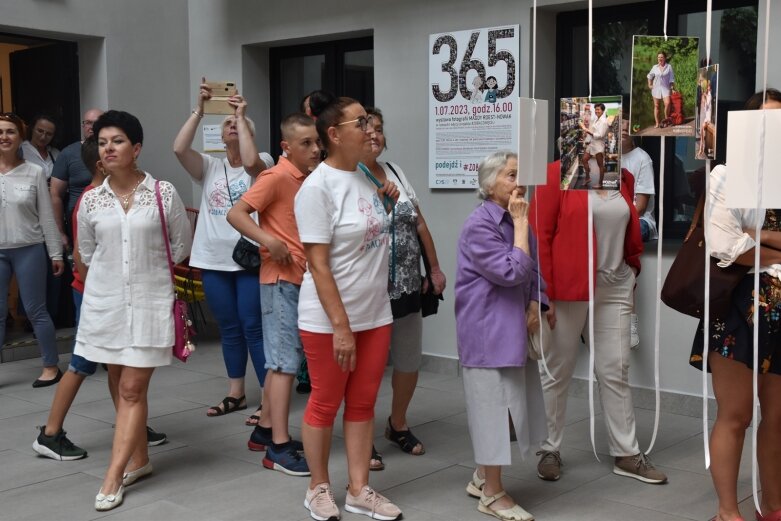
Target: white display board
{"points": [[533, 142], [744, 150], [473, 101], [212, 139]]}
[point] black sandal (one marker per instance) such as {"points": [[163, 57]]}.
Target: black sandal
{"points": [[376, 456], [253, 420], [404, 439], [229, 404]]}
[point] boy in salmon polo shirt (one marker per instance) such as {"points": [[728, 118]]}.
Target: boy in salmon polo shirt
{"points": [[281, 272]]}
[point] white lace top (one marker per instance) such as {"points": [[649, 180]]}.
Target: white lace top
{"points": [[128, 295]]}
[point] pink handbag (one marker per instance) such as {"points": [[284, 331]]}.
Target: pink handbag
{"points": [[183, 326]]}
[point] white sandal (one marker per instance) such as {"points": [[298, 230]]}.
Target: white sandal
{"points": [[514, 513], [475, 487]]}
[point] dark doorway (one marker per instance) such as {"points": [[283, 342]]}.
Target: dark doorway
{"points": [[45, 80], [343, 67]]}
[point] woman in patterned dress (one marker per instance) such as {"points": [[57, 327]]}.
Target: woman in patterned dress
{"points": [[731, 238]]}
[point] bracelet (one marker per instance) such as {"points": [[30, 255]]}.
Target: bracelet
{"points": [[197, 113]]}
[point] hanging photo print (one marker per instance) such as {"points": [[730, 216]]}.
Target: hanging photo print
{"points": [[590, 143], [707, 95], [664, 86]]}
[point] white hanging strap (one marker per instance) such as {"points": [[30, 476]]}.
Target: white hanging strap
{"points": [[534, 47], [591, 346], [760, 224], [539, 295], [658, 311], [664, 27], [708, 17], [706, 318], [590, 44]]}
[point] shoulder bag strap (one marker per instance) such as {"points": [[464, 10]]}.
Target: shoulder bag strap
{"points": [[390, 201], [227, 183], [696, 218], [165, 231]]}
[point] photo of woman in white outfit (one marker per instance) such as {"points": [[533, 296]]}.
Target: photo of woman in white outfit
{"points": [[661, 81]]}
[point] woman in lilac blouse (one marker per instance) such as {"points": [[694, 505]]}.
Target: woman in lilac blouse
{"points": [[498, 282]]}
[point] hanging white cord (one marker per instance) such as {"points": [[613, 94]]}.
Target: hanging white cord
{"points": [[533, 162], [591, 362], [760, 223], [658, 322], [664, 28], [706, 289], [534, 46], [591, 321], [706, 318], [590, 43]]}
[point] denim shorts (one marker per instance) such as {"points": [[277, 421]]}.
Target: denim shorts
{"points": [[281, 341], [79, 364]]}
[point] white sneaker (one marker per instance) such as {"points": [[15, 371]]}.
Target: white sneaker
{"points": [[634, 334]]}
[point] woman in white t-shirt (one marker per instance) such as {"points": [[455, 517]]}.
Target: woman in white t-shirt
{"points": [[344, 312], [232, 293]]}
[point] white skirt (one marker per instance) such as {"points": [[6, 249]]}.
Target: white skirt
{"points": [[127, 356], [490, 394]]}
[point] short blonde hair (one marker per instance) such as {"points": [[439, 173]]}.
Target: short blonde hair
{"points": [[250, 123], [489, 168]]}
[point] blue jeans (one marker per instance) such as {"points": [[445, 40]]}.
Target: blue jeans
{"points": [[234, 300], [29, 265], [79, 364], [645, 231]]}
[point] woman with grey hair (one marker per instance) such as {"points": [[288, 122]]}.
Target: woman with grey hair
{"points": [[232, 293], [497, 281]]}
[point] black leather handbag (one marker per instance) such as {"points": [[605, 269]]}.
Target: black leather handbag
{"points": [[245, 253]]}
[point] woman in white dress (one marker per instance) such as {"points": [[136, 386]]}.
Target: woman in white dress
{"points": [[661, 81], [126, 315]]}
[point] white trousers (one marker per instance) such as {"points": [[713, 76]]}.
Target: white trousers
{"points": [[612, 309]]}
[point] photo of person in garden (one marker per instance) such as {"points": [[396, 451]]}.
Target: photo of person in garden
{"points": [[664, 86]]}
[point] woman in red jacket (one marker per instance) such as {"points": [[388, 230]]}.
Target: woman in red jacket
{"points": [[560, 220]]}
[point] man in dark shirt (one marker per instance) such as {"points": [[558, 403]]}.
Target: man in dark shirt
{"points": [[69, 178]]}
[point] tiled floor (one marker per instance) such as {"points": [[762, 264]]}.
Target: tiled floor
{"points": [[205, 471]]}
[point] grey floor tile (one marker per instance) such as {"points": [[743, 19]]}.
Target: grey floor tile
{"points": [[158, 511], [688, 494], [205, 472], [20, 470], [10, 407], [581, 506], [689, 455], [69, 497]]}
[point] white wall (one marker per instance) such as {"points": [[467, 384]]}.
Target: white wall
{"points": [[133, 56]]}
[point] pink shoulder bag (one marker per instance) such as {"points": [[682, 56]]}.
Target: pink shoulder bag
{"points": [[183, 326]]}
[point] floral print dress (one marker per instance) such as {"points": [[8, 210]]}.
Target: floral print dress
{"points": [[732, 336]]}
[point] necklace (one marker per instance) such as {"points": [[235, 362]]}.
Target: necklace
{"points": [[125, 199]]}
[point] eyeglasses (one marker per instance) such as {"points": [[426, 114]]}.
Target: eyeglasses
{"points": [[363, 122], [44, 133], [88, 122]]}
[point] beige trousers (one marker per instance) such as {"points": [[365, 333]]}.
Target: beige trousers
{"points": [[612, 308]]}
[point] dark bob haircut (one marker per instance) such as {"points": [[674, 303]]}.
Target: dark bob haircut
{"points": [[756, 101], [124, 121]]}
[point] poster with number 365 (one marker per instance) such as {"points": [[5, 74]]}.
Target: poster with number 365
{"points": [[473, 101]]}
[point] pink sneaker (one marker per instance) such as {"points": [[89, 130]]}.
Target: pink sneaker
{"points": [[320, 503], [373, 504]]}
